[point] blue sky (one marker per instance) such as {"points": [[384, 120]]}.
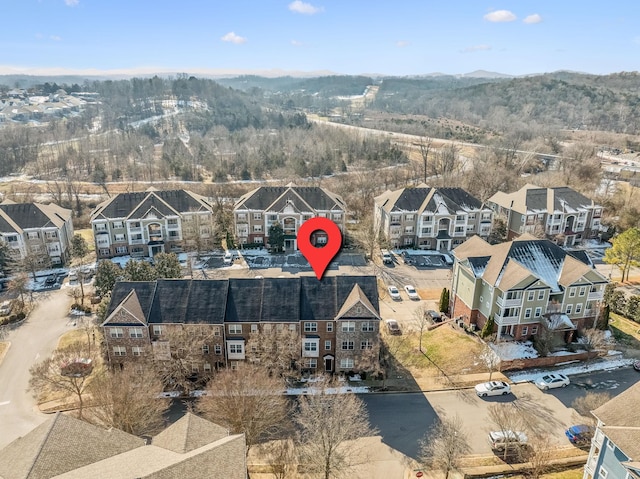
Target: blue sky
{"points": [[399, 37]]}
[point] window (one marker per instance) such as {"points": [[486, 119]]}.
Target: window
{"points": [[534, 329], [327, 345], [460, 218], [217, 349], [194, 368], [104, 252], [611, 445], [569, 308], [310, 346], [408, 217], [427, 219], [527, 313], [235, 329], [205, 349], [119, 237], [531, 295], [366, 344], [525, 330], [137, 351], [51, 235], [310, 327], [367, 327], [157, 330], [572, 292], [311, 363], [117, 332], [254, 328], [135, 332], [33, 235], [266, 328], [578, 308], [172, 221], [207, 367], [348, 326], [426, 231], [216, 330], [329, 327], [257, 216], [538, 312], [346, 363], [235, 348], [257, 228], [347, 345], [583, 290], [122, 250], [541, 294], [273, 217], [603, 473], [119, 351]]}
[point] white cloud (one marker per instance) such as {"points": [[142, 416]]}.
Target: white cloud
{"points": [[401, 44], [298, 6], [71, 3], [55, 38], [296, 43], [233, 38], [476, 48], [535, 18], [500, 16]]}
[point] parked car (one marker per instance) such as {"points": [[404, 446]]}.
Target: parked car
{"points": [[636, 365], [434, 316], [501, 440], [550, 381], [51, 280], [394, 293], [386, 257], [411, 292], [393, 327], [228, 258], [73, 276], [493, 388], [580, 434]]}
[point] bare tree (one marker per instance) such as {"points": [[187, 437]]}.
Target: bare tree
{"points": [[593, 339], [276, 348], [425, 148], [328, 424], [246, 400], [508, 418], [127, 399], [443, 446], [422, 322], [587, 403], [68, 370], [281, 457], [490, 359], [539, 455], [79, 249]]}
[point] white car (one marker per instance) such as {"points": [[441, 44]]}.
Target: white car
{"points": [[394, 293], [493, 388], [550, 381], [411, 292]]}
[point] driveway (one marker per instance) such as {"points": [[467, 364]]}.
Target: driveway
{"points": [[34, 340]]}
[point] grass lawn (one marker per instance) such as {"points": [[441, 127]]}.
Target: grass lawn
{"points": [[444, 350], [624, 330]]}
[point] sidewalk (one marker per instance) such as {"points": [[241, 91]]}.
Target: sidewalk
{"points": [[442, 383]]}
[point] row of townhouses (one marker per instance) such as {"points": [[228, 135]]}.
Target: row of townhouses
{"points": [[525, 285], [335, 322], [143, 224]]}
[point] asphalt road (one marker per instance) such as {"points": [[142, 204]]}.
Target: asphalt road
{"points": [[34, 340]]}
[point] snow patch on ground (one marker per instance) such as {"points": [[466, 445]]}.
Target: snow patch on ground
{"points": [[581, 368], [508, 351]]}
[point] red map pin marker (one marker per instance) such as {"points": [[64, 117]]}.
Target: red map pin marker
{"points": [[319, 258]]}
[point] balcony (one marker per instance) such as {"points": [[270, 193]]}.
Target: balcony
{"points": [[508, 303], [136, 229], [135, 241], [595, 296], [506, 320]]}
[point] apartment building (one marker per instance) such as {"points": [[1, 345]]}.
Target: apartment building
{"points": [[430, 218], [560, 214], [289, 206], [525, 284], [44, 231], [615, 446], [146, 223], [334, 322]]}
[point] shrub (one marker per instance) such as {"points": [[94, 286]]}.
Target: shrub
{"points": [[81, 307]]}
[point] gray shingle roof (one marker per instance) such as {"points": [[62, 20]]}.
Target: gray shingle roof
{"points": [[136, 205], [424, 198], [188, 433], [15, 217], [274, 198], [62, 444], [244, 300]]}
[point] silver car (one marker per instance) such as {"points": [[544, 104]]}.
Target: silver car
{"points": [[493, 388], [551, 381]]}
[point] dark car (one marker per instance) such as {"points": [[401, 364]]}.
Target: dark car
{"points": [[51, 280], [580, 434], [636, 365], [434, 316]]}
